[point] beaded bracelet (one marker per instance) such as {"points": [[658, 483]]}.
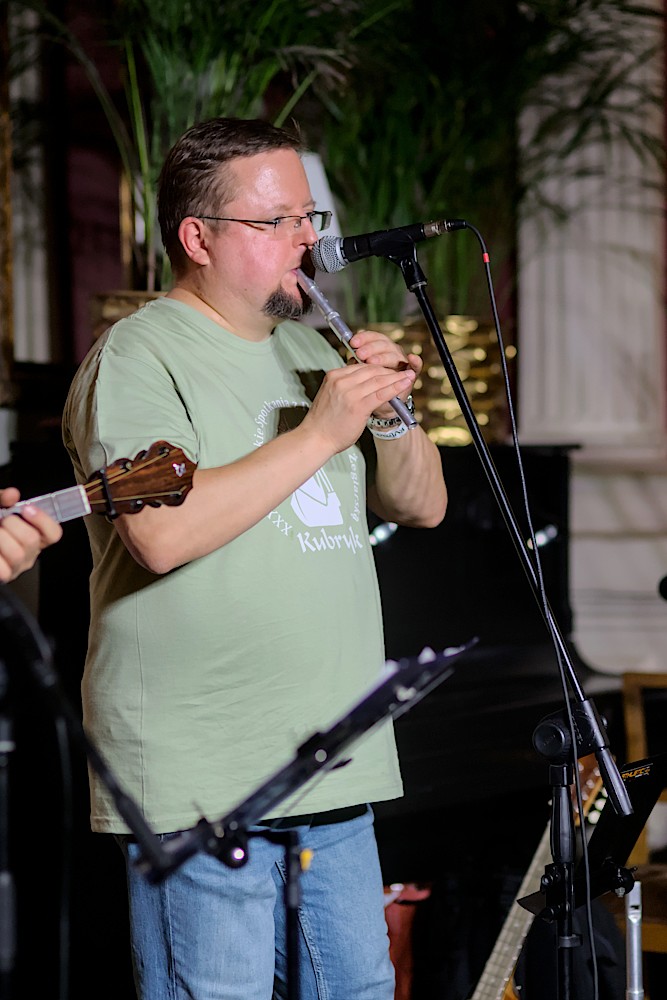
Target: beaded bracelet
{"points": [[384, 423]]}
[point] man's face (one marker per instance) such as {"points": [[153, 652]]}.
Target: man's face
{"points": [[250, 265]]}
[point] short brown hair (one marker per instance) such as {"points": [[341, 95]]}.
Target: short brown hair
{"points": [[191, 182]]}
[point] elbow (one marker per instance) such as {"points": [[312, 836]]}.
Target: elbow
{"points": [[417, 511], [432, 518], [158, 565], [154, 551], [436, 519], [434, 514], [152, 558], [424, 516]]}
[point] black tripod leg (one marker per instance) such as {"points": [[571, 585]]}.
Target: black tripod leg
{"points": [[7, 890], [292, 902], [563, 852]]}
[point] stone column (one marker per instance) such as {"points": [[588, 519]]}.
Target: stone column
{"points": [[592, 374]]}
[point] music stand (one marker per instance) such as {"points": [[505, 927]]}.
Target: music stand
{"points": [[403, 684], [611, 842], [227, 838]]}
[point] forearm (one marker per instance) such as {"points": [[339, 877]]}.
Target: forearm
{"points": [[409, 487], [224, 502]]}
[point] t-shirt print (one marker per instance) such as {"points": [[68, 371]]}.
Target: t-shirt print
{"points": [[316, 503]]}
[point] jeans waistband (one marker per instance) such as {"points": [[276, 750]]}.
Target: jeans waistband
{"points": [[317, 819]]}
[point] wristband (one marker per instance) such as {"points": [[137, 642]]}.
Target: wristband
{"points": [[390, 433]]}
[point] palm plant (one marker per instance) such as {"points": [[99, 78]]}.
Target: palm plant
{"points": [[187, 60], [564, 74], [194, 61]]}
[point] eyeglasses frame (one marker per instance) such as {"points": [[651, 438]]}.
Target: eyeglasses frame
{"points": [[326, 220]]}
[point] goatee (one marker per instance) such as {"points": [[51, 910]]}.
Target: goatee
{"points": [[280, 305]]}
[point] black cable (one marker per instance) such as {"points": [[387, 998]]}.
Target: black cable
{"points": [[537, 563], [67, 830]]}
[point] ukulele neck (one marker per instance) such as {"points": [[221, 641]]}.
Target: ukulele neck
{"points": [[63, 505]]}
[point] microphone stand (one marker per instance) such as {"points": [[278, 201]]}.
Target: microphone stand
{"points": [[549, 738]]}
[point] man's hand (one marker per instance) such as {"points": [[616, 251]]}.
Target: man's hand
{"points": [[374, 348], [349, 395], [23, 536]]}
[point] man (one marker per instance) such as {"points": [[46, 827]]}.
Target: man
{"points": [[22, 537], [227, 630]]}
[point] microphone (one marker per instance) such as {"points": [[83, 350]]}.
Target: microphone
{"points": [[333, 253]]}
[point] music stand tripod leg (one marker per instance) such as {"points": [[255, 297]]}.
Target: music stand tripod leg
{"points": [[559, 876], [289, 838], [293, 867], [7, 888]]}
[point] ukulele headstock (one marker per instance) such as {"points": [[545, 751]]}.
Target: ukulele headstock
{"points": [[160, 475]]}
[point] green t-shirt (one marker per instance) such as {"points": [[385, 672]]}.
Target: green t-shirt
{"points": [[200, 683]]}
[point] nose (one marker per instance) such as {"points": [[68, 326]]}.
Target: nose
{"points": [[307, 233]]}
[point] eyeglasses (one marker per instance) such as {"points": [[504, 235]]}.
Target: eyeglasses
{"points": [[284, 225]]}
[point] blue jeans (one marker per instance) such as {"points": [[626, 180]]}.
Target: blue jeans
{"points": [[210, 932]]}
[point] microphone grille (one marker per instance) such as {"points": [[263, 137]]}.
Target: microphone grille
{"points": [[326, 255]]}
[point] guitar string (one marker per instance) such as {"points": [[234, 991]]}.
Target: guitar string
{"points": [[119, 473]]}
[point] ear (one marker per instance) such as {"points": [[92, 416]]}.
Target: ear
{"points": [[193, 238]]}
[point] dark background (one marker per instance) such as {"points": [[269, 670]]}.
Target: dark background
{"points": [[476, 798], [476, 792]]}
